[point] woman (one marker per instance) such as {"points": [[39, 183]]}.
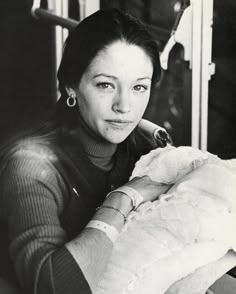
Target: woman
{"points": [[56, 183]]}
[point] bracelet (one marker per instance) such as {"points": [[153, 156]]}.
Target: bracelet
{"points": [[135, 197], [114, 208], [111, 232]]}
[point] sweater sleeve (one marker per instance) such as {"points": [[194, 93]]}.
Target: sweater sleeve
{"points": [[32, 197]]}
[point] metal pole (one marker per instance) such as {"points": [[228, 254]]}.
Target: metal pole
{"points": [[53, 19]]}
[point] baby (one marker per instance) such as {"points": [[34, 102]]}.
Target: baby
{"points": [[170, 164]]}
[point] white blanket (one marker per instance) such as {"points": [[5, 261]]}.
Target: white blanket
{"points": [[174, 243]]}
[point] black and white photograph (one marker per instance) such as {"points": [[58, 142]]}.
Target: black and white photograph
{"points": [[117, 147]]}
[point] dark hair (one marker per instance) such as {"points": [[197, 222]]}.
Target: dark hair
{"points": [[94, 34]]}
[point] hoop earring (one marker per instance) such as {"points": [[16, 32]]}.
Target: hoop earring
{"points": [[71, 100]]}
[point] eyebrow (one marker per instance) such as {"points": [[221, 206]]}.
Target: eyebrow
{"points": [[104, 75], [145, 78], [115, 78]]}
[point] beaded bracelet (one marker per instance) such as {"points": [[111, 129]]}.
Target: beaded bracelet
{"points": [[114, 208]]}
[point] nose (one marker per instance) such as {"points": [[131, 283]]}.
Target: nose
{"points": [[121, 102]]}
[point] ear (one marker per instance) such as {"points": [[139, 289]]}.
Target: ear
{"points": [[70, 91]]}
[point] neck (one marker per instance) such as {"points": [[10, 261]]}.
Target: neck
{"points": [[99, 151]]}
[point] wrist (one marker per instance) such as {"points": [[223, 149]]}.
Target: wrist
{"points": [[135, 197], [111, 232], [122, 206], [120, 201]]}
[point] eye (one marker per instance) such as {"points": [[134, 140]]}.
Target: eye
{"points": [[140, 88], [105, 85]]}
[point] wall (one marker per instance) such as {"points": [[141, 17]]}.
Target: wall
{"points": [[26, 65]]}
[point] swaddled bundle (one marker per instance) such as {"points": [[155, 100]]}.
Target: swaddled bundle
{"points": [[167, 243], [170, 164]]}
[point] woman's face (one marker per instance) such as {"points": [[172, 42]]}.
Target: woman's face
{"points": [[114, 91]]}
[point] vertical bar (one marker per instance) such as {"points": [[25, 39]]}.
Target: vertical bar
{"points": [[61, 9], [87, 7], [207, 11], [59, 39], [196, 71], [65, 14], [82, 9], [91, 6], [58, 36], [51, 4]]}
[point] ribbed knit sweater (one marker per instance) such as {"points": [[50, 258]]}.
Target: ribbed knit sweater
{"points": [[47, 196]]}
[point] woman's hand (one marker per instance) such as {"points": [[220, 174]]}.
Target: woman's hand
{"points": [[119, 200], [149, 189]]}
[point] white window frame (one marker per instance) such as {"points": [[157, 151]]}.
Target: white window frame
{"points": [[194, 32], [202, 69]]}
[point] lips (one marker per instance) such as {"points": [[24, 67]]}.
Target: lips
{"points": [[119, 122]]}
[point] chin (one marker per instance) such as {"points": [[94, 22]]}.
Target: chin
{"points": [[117, 139]]}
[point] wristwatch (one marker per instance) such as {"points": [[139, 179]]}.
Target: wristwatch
{"points": [[135, 197]]}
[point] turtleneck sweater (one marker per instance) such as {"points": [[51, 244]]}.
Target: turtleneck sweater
{"points": [[49, 193], [98, 150]]}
